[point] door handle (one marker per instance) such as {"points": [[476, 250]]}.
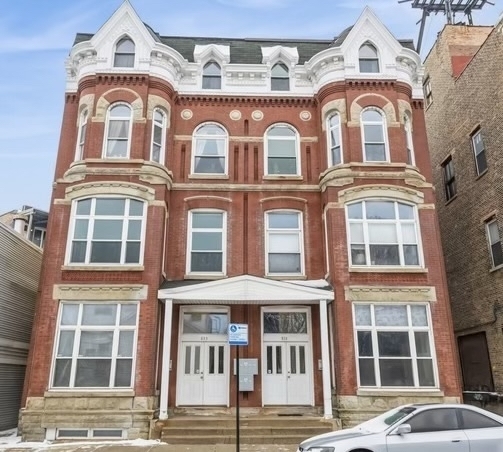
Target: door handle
{"points": [[456, 441]]}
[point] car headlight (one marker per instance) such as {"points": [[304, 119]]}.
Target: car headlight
{"points": [[321, 449]]}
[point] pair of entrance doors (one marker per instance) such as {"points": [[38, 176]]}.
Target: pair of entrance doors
{"points": [[204, 361]]}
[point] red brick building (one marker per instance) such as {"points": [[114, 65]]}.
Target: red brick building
{"points": [[282, 184]]}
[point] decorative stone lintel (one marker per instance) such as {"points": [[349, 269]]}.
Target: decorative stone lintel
{"points": [[116, 188], [102, 292], [390, 293], [383, 191]]}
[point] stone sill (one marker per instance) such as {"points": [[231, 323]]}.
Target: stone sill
{"points": [[89, 394], [495, 269], [288, 277], [407, 392], [283, 177], [103, 268], [209, 176], [205, 276], [387, 270]]}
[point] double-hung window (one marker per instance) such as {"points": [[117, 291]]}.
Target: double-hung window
{"points": [[280, 78], [494, 239], [334, 139], [375, 143], [480, 152], [158, 136], [210, 150], [284, 243], [394, 345], [95, 345], [428, 94], [124, 53], [368, 59], [383, 233], [107, 231], [207, 242], [212, 76], [81, 136], [118, 131], [449, 178], [407, 125], [282, 144]]}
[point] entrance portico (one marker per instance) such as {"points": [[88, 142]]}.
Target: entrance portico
{"points": [[286, 334]]}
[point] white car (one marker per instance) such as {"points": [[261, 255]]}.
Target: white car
{"points": [[417, 428]]}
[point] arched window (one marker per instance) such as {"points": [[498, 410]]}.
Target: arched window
{"points": [[383, 233], [368, 58], [282, 150], [207, 242], [81, 135], [118, 131], [280, 78], [124, 53], [407, 126], [158, 136], [284, 243], [375, 146], [209, 150], [334, 139], [212, 76]]}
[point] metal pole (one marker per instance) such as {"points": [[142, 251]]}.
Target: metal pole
{"points": [[237, 398]]}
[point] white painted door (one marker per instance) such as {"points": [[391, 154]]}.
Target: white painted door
{"points": [[287, 369], [203, 373]]}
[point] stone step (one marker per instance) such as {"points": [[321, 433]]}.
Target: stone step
{"points": [[243, 439], [229, 421], [252, 431]]}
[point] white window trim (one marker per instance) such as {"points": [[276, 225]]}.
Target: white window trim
{"points": [[300, 232], [163, 136], [90, 433], [410, 329], [71, 232], [399, 241], [329, 129], [488, 235], [189, 242], [385, 134], [378, 58], [195, 137], [114, 52], [107, 126], [78, 330], [409, 138], [81, 137], [297, 150], [281, 62]]}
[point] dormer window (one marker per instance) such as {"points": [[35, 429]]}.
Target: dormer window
{"points": [[368, 58], [212, 76], [280, 78], [124, 53]]}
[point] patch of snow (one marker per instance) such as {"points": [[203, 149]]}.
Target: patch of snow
{"points": [[14, 442]]}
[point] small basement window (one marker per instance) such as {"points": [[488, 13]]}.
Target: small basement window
{"points": [[73, 433]]}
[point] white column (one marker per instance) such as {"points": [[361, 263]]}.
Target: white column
{"points": [[325, 361], [166, 357]]}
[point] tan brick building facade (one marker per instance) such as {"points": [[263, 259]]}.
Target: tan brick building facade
{"points": [[202, 182], [465, 137]]}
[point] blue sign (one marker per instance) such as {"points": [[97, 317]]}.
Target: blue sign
{"points": [[238, 334]]}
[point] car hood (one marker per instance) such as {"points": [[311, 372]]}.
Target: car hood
{"points": [[326, 438]]}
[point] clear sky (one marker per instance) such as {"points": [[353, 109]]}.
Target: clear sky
{"points": [[36, 36]]}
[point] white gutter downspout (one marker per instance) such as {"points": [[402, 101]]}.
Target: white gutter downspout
{"points": [[325, 361], [166, 358]]}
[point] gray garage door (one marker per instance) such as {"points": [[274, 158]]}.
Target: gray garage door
{"points": [[11, 388]]}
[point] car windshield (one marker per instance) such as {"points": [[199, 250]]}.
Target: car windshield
{"points": [[386, 420]]}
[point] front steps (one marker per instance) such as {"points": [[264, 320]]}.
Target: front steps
{"points": [[261, 429]]}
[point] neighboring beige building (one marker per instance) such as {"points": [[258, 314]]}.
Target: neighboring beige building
{"points": [[464, 112], [20, 266]]}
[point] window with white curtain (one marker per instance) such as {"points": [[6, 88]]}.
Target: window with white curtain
{"points": [[124, 53], [394, 345], [106, 231], [375, 139], [334, 139], [282, 150], [81, 135], [284, 243], [158, 136], [118, 131], [95, 345], [207, 242], [407, 126], [209, 144], [383, 233]]}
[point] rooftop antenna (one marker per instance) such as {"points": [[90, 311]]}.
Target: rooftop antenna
{"points": [[448, 7]]}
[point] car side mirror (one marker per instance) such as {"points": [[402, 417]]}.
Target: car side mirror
{"points": [[402, 429]]}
